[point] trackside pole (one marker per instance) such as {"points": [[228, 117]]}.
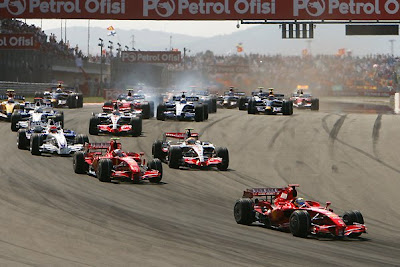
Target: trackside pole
{"points": [[397, 103]]}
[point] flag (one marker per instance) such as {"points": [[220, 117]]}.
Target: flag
{"points": [[341, 52], [111, 31], [239, 48]]}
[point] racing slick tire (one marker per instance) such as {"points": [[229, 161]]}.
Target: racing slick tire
{"points": [[79, 163], [251, 107], [315, 104], [71, 101], [93, 130], [104, 170], [287, 107], [244, 211], [60, 118], [213, 105], [81, 139], [160, 112], [157, 151], [199, 113], [146, 111], [22, 141], [155, 164], [151, 103], [79, 103], [242, 103], [36, 142], [205, 109], [351, 217], [15, 118], [174, 157], [136, 124], [222, 152], [300, 223]]}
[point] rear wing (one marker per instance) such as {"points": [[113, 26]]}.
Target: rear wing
{"points": [[180, 135], [266, 192], [15, 97], [98, 146]]}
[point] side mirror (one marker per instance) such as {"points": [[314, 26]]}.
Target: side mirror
{"points": [[328, 203]]}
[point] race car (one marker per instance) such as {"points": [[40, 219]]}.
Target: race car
{"points": [[11, 103], [50, 139], [230, 99], [270, 104], [304, 100], [183, 108], [34, 113], [138, 103], [282, 209], [108, 162], [117, 122], [61, 96], [188, 151], [205, 98]]}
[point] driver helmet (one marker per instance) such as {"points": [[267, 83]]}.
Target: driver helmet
{"points": [[10, 100], [53, 129], [299, 202], [191, 141]]}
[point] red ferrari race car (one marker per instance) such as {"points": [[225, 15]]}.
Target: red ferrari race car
{"points": [[110, 106], [188, 151], [108, 162], [282, 209]]}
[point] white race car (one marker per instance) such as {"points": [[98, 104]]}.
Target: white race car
{"points": [[183, 108], [50, 138], [36, 113], [190, 152]]}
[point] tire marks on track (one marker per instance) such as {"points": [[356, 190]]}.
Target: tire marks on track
{"points": [[375, 133], [333, 134]]}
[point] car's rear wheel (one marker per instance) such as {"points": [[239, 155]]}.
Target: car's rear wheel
{"points": [[315, 104], [104, 170], [23, 142], [299, 223], [222, 152], [15, 118], [205, 110], [145, 111], [81, 139], [160, 112], [79, 163], [93, 123], [157, 151], [199, 113], [242, 103], [60, 118], [136, 124], [244, 211], [174, 157], [155, 164], [36, 142], [251, 107]]}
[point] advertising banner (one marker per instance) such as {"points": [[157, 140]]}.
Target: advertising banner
{"points": [[151, 57], [18, 41], [203, 9]]}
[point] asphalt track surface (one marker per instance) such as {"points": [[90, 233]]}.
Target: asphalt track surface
{"points": [[51, 216]]}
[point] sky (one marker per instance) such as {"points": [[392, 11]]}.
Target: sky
{"points": [[194, 28]]}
